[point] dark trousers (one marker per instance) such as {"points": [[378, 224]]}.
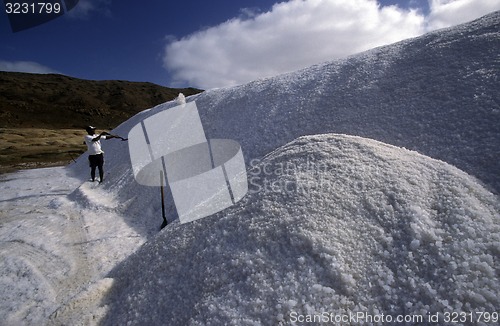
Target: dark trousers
{"points": [[96, 161]]}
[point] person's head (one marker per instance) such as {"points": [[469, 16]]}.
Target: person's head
{"points": [[90, 130]]}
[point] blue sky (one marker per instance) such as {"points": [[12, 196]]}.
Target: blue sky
{"points": [[218, 43]]}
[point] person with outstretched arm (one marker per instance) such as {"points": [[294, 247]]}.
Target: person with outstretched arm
{"points": [[96, 154]]}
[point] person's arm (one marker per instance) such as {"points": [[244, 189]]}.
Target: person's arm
{"points": [[100, 135], [109, 136]]}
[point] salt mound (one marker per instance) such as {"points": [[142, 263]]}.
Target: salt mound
{"points": [[332, 223]]}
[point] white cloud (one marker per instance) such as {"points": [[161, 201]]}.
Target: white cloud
{"points": [[445, 13], [26, 66], [300, 33]]}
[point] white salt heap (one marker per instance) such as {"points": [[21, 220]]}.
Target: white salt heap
{"points": [[345, 224]]}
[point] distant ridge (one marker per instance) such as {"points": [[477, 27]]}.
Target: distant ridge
{"points": [[58, 101]]}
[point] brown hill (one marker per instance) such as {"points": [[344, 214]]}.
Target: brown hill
{"points": [[42, 116], [57, 101]]}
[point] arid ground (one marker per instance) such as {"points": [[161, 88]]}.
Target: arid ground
{"points": [[23, 148]]}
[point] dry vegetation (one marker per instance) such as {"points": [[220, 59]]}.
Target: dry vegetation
{"points": [[22, 148]]}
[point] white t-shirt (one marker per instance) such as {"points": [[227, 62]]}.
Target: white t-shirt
{"points": [[94, 147]]}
